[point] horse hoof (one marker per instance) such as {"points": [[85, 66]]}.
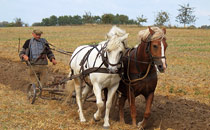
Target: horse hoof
{"points": [[83, 121], [141, 125], [95, 119], [106, 127]]}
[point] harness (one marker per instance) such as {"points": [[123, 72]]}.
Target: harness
{"points": [[85, 72], [131, 79]]}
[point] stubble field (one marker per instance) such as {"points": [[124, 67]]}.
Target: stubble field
{"points": [[182, 98]]}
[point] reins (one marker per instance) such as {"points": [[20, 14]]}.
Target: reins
{"points": [[129, 81], [58, 50]]}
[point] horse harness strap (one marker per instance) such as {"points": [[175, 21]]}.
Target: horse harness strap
{"points": [[129, 81], [84, 72]]}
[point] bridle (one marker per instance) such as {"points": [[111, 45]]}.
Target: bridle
{"points": [[152, 60], [103, 53], [105, 58]]}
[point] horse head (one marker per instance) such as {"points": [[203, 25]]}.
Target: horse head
{"points": [[115, 48], [156, 47]]}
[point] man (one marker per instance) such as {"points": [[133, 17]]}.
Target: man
{"points": [[36, 51]]}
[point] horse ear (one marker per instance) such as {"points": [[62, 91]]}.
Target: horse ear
{"points": [[150, 30], [164, 30], [124, 37]]}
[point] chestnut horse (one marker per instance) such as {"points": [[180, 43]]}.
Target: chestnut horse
{"points": [[140, 71]]}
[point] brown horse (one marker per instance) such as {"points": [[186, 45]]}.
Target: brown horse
{"points": [[140, 71]]}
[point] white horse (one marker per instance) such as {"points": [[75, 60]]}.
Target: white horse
{"points": [[113, 49]]}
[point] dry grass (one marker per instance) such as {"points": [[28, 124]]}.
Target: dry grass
{"points": [[188, 54], [187, 76]]}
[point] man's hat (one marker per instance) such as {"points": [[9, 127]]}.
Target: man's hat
{"points": [[37, 32]]}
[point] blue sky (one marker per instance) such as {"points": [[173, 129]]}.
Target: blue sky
{"points": [[31, 11]]}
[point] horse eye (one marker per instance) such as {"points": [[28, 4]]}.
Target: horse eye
{"points": [[155, 46]]}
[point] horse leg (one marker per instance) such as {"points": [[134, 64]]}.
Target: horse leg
{"points": [[131, 100], [147, 112], [85, 92], [100, 104], [114, 103], [121, 108], [111, 92], [69, 91], [78, 86]]}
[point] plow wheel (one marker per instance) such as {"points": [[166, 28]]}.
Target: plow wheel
{"points": [[31, 91]]}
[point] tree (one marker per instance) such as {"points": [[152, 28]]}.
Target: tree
{"points": [[96, 19], [131, 21], [64, 20], [141, 20], [87, 17], [185, 15], [45, 22], [18, 22], [37, 24], [107, 18], [53, 20], [161, 18], [123, 19], [4, 24], [77, 20]]}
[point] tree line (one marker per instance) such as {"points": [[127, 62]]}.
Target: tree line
{"points": [[185, 17], [87, 18]]}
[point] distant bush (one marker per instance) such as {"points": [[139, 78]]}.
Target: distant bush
{"points": [[37, 24], [191, 27], [205, 27]]}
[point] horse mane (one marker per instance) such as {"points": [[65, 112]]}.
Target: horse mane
{"points": [[113, 36], [143, 34]]}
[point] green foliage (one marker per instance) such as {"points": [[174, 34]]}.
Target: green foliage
{"points": [[4, 24], [180, 90], [17, 23], [197, 91], [205, 27], [122, 19], [87, 17], [53, 20], [161, 18], [76, 20], [171, 89], [64, 20], [37, 24], [141, 20], [46, 22], [116, 19], [107, 18], [185, 15]]}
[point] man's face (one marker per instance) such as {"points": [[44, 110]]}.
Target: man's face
{"points": [[36, 36]]}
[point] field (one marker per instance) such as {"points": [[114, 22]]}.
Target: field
{"points": [[182, 98]]}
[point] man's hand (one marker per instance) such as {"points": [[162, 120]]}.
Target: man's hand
{"points": [[54, 62], [25, 57]]}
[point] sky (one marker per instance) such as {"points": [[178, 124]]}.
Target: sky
{"points": [[31, 11]]}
